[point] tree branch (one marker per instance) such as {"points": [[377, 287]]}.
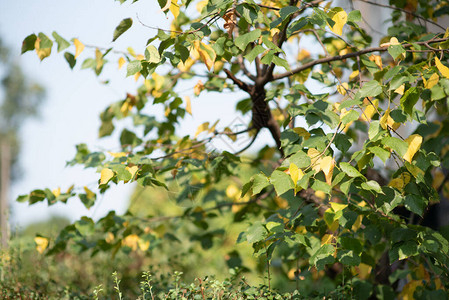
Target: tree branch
{"points": [[349, 55], [242, 85]]}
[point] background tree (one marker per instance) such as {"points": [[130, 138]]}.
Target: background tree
{"points": [[21, 99], [341, 196]]}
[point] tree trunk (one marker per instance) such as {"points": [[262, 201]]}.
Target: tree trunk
{"points": [[5, 163]]}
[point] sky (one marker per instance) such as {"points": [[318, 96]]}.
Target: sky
{"points": [[70, 113]]}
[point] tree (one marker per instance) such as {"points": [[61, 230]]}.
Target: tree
{"points": [[20, 101], [360, 134]]}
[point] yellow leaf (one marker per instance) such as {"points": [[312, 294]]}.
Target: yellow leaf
{"points": [[206, 53], [89, 193], [117, 154], [357, 223], [442, 68], [343, 88], [143, 245], [409, 289], [188, 105], [303, 54], [400, 90], [70, 189], [370, 110], [133, 170], [302, 132], [136, 76], [362, 271], [201, 128], [327, 165], [393, 41], [57, 192], [41, 244], [414, 143], [327, 239], [199, 86], [109, 237], [432, 81], [121, 62], [315, 159], [158, 81], [131, 241], [232, 191], [320, 194], [340, 19], [377, 60], [106, 175], [386, 121], [200, 5], [295, 173], [41, 52], [336, 207], [79, 47], [354, 74]]}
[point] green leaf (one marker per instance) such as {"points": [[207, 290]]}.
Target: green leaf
{"points": [[371, 185], [281, 182], [260, 182], [374, 129], [396, 50], [281, 62], [415, 204], [28, 43], [62, 43], [371, 89], [380, 152], [152, 55], [256, 233], [124, 25], [399, 146], [242, 41], [300, 159], [251, 56], [70, 58], [354, 16], [409, 99], [133, 67], [350, 117], [285, 12], [350, 170]]}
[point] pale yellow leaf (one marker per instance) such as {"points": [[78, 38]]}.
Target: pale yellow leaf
{"points": [[442, 68], [121, 62], [200, 5], [158, 81], [206, 53], [143, 245], [117, 154], [188, 105], [314, 155], [79, 47], [89, 193], [232, 191], [295, 173], [136, 76], [109, 237], [387, 121], [106, 175], [327, 165], [432, 81], [340, 19], [400, 90], [336, 207], [132, 170], [343, 88], [41, 244], [57, 192], [201, 128], [327, 239], [414, 143]]}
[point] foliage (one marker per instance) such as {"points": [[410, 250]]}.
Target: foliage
{"points": [[361, 135]]}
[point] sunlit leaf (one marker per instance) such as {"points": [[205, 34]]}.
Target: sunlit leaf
{"points": [[79, 47], [340, 19], [442, 68], [414, 143], [41, 244], [106, 175], [188, 105]]}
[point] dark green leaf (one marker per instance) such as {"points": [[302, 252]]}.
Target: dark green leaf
{"points": [[350, 170], [124, 25], [28, 43]]}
